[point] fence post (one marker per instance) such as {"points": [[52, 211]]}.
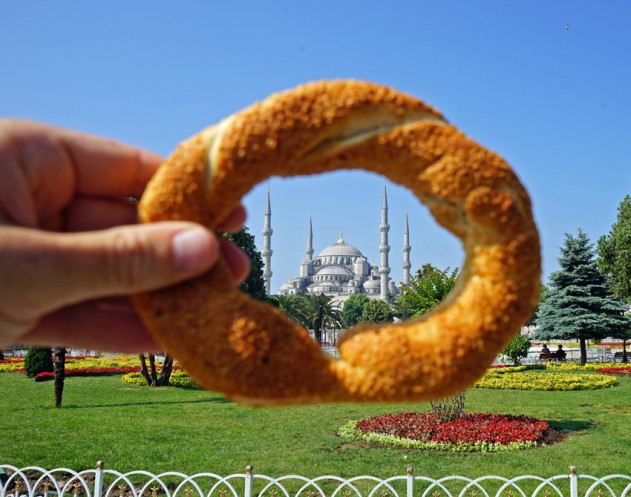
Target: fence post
{"points": [[98, 479], [573, 482], [410, 483], [248, 481]]}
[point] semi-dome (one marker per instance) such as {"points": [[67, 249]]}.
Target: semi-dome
{"points": [[372, 284], [334, 270]]}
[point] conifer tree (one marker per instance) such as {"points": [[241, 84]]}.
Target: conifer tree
{"points": [[578, 304]]}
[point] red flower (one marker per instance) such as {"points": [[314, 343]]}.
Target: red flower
{"points": [[472, 427]]}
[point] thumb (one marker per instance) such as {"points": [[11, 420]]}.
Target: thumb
{"points": [[43, 271]]}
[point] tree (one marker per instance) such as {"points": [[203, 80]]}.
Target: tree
{"points": [[377, 311], [543, 294], [151, 374], [353, 308], [319, 312], [427, 288], [578, 305], [254, 285], [614, 253], [59, 374], [517, 349], [291, 305]]}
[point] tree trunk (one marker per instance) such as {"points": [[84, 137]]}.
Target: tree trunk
{"points": [[165, 374], [59, 374], [624, 350], [152, 371], [583, 350], [317, 330], [143, 369]]}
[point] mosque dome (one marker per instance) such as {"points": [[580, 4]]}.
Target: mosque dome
{"points": [[341, 248]]}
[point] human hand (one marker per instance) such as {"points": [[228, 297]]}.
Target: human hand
{"points": [[70, 251]]}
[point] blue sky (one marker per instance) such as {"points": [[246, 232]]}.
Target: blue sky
{"points": [[544, 84]]}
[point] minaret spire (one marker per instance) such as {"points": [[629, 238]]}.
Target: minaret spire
{"points": [[267, 246], [309, 250], [384, 248], [406, 252]]}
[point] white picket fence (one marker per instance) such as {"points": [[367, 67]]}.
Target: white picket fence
{"points": [[62, 482]]}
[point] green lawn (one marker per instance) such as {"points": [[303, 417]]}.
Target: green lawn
{"points": [[195, 431]]}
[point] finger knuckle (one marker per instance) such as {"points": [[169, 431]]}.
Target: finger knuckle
{"points": [[132, 259]]}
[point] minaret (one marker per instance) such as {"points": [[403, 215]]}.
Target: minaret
{"points": [[384, 248], [267, 246], [309, 250], [406, 252]]}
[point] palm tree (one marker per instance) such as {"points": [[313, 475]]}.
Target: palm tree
{"points": [[290, 305], [319, 312]]}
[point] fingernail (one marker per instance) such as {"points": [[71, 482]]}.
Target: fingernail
{"points": [[193, 249]]}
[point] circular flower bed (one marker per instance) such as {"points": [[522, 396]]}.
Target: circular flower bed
{"points": [[498, 378], [474, 432]]}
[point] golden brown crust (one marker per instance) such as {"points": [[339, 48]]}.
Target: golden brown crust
{"points": [[251, 351]]}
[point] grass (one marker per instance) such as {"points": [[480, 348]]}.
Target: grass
{"points": [[192, 431]]}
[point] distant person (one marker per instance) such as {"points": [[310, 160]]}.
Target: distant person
{"points": [[545, 349], [560, 353]]}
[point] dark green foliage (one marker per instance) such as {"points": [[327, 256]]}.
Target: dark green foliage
{"points": [[377, 311], [578, 305], [38, 360], [319, 312], [292, 305], [353, 308], [254, 285], [543, 294], [427, 288], [614, 251], [517, 349]]}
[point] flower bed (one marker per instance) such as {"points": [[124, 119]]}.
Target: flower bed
{"points": [[84, 366], [577, 366], [544, 381], [88, 372], [178, 378], [474, 432], [619, 371]]}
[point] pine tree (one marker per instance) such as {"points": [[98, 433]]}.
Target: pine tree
{"points": [[578, 305]]}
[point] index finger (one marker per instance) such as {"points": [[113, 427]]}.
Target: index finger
{"points": [[100, 166], [106, 167]]}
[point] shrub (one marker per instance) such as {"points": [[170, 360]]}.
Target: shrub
{"points": [[517, 349], [38, 360]]}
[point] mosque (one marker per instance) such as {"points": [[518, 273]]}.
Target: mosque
{"points": [[340, 270]]}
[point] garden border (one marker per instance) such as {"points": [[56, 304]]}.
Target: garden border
{"points": [[34, 481]]}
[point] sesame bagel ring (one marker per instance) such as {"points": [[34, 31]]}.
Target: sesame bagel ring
{"points": [[250, 350]]}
